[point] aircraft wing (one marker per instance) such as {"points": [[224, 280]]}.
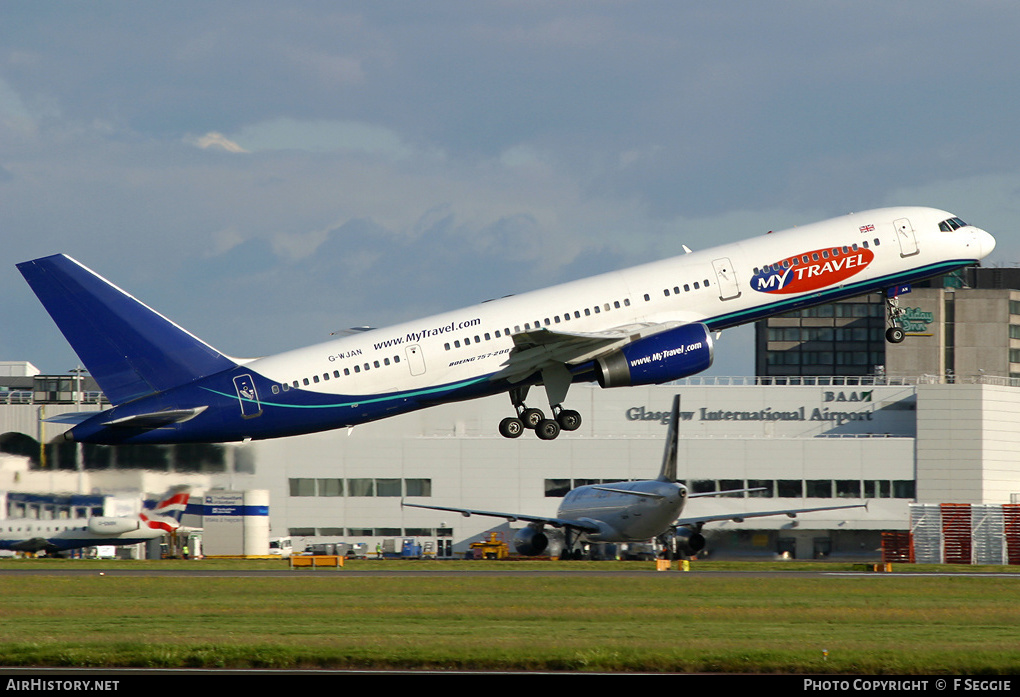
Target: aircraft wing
{"points": [[513, 517], [33, 544], [536, 349], [740, 517]]}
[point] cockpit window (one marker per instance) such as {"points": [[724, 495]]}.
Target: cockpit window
{"points": [[951, 224]]}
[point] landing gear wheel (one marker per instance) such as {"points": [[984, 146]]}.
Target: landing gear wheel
{"points": [[569, 420], [894, 335], [547, 429], [532, 417], [511, 427]]}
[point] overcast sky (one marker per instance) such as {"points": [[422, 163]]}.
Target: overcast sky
{"points": [[264, 173]]}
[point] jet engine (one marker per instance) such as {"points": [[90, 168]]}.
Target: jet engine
{"points": [[689, 542], [534, 541], [531, 541], [669, 355], [112, 526]]}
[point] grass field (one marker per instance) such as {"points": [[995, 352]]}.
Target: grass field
{"points": [[867, 624]]}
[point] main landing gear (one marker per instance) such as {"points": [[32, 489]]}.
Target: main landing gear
{"points": [[894, 334], [534, 419]]}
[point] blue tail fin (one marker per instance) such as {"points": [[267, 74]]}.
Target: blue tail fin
{"points": [[130, 349]]}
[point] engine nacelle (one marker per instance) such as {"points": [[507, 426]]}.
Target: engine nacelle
{"points": [[605, 532], [689, 542], [669, 355], [113, 526], [531, 541]]}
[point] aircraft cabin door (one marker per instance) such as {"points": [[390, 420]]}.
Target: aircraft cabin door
{"points": [[727, 279], [248, 396], [415, 360], [906, 237]]}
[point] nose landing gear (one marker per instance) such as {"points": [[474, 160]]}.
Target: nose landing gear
{"points": [[894, 334]]}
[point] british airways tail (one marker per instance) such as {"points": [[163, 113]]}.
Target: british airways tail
{"points": [[166, 514], [55, 536], [130, 349]]}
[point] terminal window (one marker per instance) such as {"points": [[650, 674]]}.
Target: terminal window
{"points": [[387, 487], [331, 487], [418, 487], [300, 486]]}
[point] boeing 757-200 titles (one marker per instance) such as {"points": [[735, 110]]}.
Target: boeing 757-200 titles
{"points": [[627, 511], [644, 325]]}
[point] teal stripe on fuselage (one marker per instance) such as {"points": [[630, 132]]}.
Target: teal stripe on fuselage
{"points": [[847, 291], [367, 399]]}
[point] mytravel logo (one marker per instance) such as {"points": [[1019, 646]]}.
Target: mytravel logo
{"points": [[812, 270]]}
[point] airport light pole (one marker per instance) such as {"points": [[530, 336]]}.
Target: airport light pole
{"points": [[79, 454]]}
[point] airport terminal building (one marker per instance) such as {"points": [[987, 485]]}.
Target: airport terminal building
{"points": [[806, 445], [891, 442]]}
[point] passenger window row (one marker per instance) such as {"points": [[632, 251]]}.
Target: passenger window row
{"points": [[688, 287], [325, 377], [538, 324], [833, 253], [597, 309]]}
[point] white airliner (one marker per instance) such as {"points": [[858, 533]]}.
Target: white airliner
{"points": [[644, 325], [627, 511], [55, 536]]}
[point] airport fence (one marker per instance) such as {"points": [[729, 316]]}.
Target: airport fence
{"points": [[959, 533]]}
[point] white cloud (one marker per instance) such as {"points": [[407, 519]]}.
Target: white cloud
{"points": [[323, 136], [14, 115], [223, 241], [216, 141]]}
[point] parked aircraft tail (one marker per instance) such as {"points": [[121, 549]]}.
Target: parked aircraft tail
{"points": [[166, 515], [130, 349], [668, 471]]}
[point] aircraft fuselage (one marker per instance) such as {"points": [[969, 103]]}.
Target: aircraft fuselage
{"points": [[471, 352], [645, 514]]}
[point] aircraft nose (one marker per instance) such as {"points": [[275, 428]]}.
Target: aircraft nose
{"points": [[984, 242]]}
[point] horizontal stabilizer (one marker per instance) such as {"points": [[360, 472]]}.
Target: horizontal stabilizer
{"points": [[71, 417], [726, 492], [130, 349], [628, 492], [156, 419]]}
